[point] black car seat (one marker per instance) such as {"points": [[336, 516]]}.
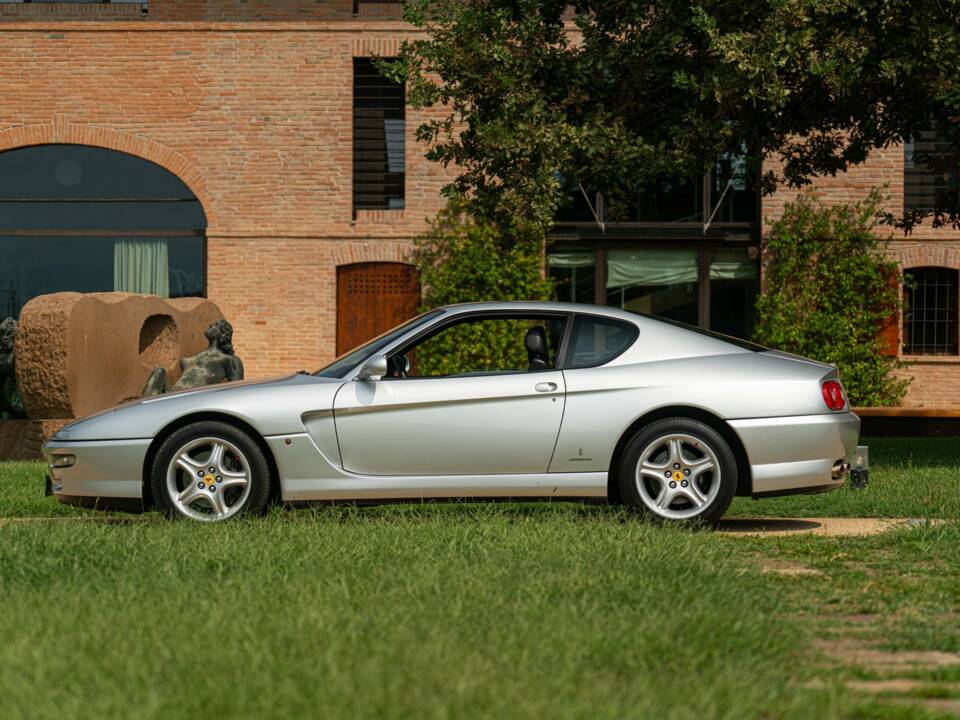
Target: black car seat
{"points": [[536, 342]]}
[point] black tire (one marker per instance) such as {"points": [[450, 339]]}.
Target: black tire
{"points": [[240, 452], [681, 502]]}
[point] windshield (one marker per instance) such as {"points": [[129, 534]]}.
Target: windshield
{"points": [[343, 364]]}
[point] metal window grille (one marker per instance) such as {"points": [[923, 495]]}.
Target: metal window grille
{"points": [[930, 171], [358, 3], [930, 319], [379, 126]]}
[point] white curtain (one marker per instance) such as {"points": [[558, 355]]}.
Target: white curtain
{"points": [[732, 265], [571, 259], [141, 265], [627, 268]]}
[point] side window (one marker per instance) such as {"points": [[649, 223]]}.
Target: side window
{"points": [[484, 346], [597, 340]]}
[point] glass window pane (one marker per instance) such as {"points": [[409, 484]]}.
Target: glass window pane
{"points": [[734, 286], [735, 193], [667, 199], [485, 346], [930, 316], [574, 274], [84, 215], [574, 206], [596, 340], [654, 282], [379, 145], [31, 266], [80, 172]]}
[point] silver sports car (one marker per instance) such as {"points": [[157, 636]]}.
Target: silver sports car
{"points": [[487, 400]]}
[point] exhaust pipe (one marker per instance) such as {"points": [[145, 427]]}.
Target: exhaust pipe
{"points": [[841, 468]]}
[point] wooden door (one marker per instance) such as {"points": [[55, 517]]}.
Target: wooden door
{"points": [[372, 298]]}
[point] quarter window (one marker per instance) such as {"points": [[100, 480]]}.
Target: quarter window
{"points": [[930, 319], [597, 340]]}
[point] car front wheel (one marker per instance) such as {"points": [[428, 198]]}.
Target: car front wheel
{"points": [[679, 469], [210, 471]]}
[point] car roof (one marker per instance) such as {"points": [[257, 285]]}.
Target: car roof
{"points": [[538, 306]]}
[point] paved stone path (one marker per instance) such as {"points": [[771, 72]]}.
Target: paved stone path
{"points": [[830, 527]]}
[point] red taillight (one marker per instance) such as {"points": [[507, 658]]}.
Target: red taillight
{"points": [[833, 395]]}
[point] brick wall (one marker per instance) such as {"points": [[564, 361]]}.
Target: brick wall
{"points": [[250, 103], [936, 380]]}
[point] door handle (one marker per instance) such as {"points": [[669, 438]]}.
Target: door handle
{"points": [[545, 387]]}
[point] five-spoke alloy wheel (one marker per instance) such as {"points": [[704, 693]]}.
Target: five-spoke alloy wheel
{"points": [[678, 469], [210, 471]]}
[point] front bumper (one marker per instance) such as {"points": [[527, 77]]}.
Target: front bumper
{"points": [[798, 454], [101, 470]]}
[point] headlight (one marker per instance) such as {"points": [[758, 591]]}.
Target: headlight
{"points": [[62, 461]]}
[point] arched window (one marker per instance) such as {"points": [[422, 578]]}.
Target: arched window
{"points": [[930, 316], [88, 219]]}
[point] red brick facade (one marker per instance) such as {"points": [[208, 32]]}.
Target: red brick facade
{"points": [[249, 102], [936, 379]]}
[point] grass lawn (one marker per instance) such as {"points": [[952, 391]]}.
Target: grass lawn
{"points": [[449, 611]]}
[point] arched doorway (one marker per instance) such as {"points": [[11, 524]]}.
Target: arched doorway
{"points": [[88, 219], [372, 298]]}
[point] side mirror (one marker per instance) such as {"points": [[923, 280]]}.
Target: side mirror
{"points": [[374, 368]]}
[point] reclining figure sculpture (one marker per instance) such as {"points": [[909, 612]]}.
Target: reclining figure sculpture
{"points": [[216, 364]]}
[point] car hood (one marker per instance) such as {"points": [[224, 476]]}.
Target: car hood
{"points": [[272, 406]]}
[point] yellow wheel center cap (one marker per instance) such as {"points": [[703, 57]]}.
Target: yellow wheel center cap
{"points": [[677, 476], [209, 479]]}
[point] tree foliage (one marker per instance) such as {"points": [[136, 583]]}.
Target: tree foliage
{"points": [[831, 290], [627, 90], [462, 259]]}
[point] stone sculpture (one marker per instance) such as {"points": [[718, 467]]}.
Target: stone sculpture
{"points": [[216, 364], [11, 404], [79, 353]]}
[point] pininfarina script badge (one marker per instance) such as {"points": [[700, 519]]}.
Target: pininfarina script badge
{"points": [[580, 457]]}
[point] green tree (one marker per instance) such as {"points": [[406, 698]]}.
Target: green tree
{"points": [[831, 289], [634, 89], [463, 259]]}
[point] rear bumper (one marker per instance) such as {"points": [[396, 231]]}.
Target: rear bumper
{"points": [[102, 471], [798, 454]]}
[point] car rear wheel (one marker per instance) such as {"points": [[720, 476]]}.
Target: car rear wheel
{"points": [[210, 471], [678, 469]]}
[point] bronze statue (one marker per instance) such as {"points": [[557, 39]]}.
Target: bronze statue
{"points": [[11, 404], [216, 364]]}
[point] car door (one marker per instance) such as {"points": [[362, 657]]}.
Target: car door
{"points": [[465, 408], [450, 425]]}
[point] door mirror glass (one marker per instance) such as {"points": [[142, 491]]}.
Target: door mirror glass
{"points": [[374, 368]]}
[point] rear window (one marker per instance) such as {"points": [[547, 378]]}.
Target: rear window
{"points": [[598, 340]]}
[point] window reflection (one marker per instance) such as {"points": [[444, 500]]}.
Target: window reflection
{"points": [[34, 266], [655, 282], [574, 274], [734, 286], [85, 219], [666, 283]]}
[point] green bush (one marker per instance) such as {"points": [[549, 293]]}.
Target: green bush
{"points": [[462, 259], [831, 287]]}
